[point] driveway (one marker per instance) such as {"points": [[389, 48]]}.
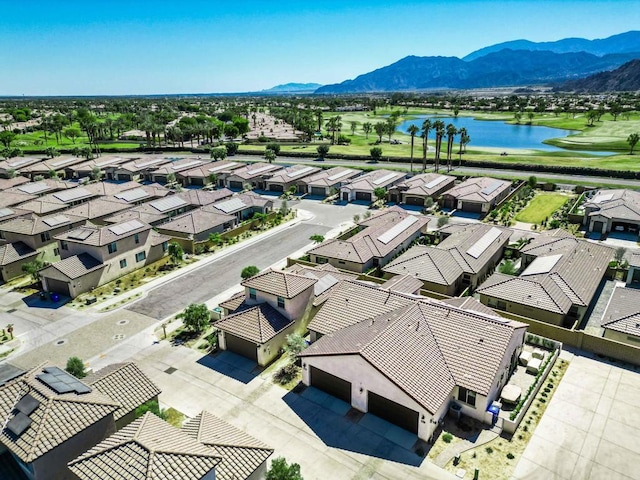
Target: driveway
{"points": [[591, 427]]}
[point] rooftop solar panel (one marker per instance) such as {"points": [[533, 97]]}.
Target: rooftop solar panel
{"points": [[55, 221], [122, 228], [168, 203], [148, 163], [385, 179], [300, 172], [72, 194], [599, 198], [64, 161], [492, 188], [230, 205], [36, 187], [542, 265], [484, 242], [324, 284], [5, 212], [222, 167], [336, 176], [396, 230], [19, 423], [187, 165], [436, 181], [17, 163], [111, 161], [133, 195], [260, 170], [62, 382], [27, 404], [80, 233]]}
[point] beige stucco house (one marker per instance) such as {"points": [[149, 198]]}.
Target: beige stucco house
{"points": [[608, 211], [478, 194]]}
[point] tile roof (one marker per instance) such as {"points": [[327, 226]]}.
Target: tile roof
{"points": [[43, 186], [403, 284], [425, 184], [99, 207], [32, 224], [7, 183], [623, 311], [13, 252], [217, 168], [573, 279], [374, 179], [367, 243], [277, 282], [9, 199], [204, 197], [197, 221], [57, 418], [293, 174], [126, 384], [615, 204], [109, 188], [426, 348], [143, 164], [147, 449], [255, 323], [469, 303], [255, 170], [479, 189], [90, 234], [48, 164], [178, 165], [240, 202], [72, 267], [331, 177], [241, 453], [328, 278], [233, 303]]}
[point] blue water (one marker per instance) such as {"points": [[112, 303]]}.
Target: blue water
{"points": [[491, 133]]}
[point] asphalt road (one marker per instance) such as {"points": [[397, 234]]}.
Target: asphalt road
{"points": [[221, 274]]}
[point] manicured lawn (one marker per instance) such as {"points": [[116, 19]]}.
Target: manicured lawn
{"points": [[541, 207]]}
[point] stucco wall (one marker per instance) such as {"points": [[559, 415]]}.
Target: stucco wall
{"points": [[344, 264], [622, 337], [270, 350], [525, 311], [293, 307]]}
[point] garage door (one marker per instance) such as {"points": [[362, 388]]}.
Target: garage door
{"points": [[363, 196], [241, 346], [236, 185], [197, 181], [471, 207], [331, 384], [597, 227], [319, 191], [58, 286], [276, 188], [393, 412], [415, 201]]}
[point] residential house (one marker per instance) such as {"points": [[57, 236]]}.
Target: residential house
{"points": [[196, 225], [94, 255], [612, 211], [274, 303], [12, 166], [403, 284], [38, 233], [126, 384], [10, 199], [244, 205], [253, 174], [372, 356], [363, 187], [12, 257], [162, 173], [328, 278], [560, 278], [417, 189], [633, 275], [462, 260], [44, 167], [478, 195], [621, 319], [7, 183], [328, 182], [58, 201], [51, 418], [283, 180], [86, 169], [381, 238], [201, 175], [243, 457], [97, 209], [42, 187], [201, 198], [139, 169], [108, 188]]}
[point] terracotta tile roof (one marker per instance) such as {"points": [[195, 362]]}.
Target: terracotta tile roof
{"points": [[281, 283], [146, 449], [143, 164], [144, 213], [9, 199], [57, 164], [368, 244], [57, 418], [331, 177], [197, 221], [367, 182], [241, 453], [255, 323], [7, 183], [403, 284], [126, 384], [328, 278], [32, 224], [156, 238], [204, 197], [72, 267], [473, 189], [469, 303], [42, 187], [178, 165], [426, 184], [204, 171], [233, 302], [428, 264], [426, 348], [294, 173], [99, 207], [13, 252], [623, 311], [106, 188], [90, 234], [255, 170]]}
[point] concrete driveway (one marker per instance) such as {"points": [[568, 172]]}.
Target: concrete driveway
{"points": [[590, 429]]}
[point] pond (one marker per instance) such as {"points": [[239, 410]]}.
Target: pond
{"points": [[498, 134]]}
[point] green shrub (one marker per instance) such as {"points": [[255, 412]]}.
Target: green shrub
{"points": [[489, 450], [286, 374], [447, 437], [510, 456]]}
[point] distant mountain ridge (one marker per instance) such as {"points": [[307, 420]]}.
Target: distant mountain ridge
{"points": [[293, 87], [627, 42], [623, 79], [504, 67]]}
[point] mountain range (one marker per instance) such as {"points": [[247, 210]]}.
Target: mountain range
{"points": [[293, 88], [623, 79], [508, 64]]}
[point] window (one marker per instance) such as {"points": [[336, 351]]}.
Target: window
{"points": [[467, 396], [280, 302], [56, 251], [64, 245], [140, 256], [321, 260], [123, 263], [165, 246], [45, 236], [136, 237], [252, 293], [112, 247], [1, 235]]}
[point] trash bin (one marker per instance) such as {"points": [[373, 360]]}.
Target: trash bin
{"points": [[495, 412], [55, 297]]}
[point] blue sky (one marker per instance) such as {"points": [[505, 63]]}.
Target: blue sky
{"points": [[116, 47]]}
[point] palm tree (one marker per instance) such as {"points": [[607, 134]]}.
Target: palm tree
{"points": [[438, 126], [464, 139], [452, 131], [318, 114], [426, 127], [413, 130]]}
